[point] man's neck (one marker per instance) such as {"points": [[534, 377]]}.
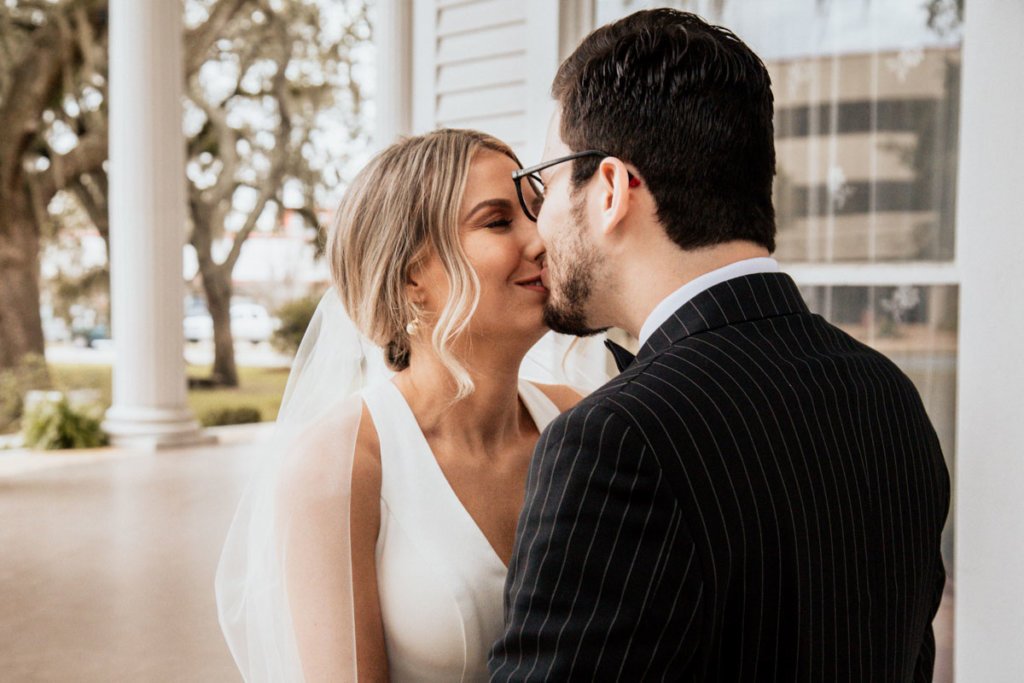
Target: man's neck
{"points": [[648, 281]]}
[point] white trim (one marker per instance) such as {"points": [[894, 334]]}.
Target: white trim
{"points": [[424, 68], [989, 473], [864, 274], [541, 63], [393, 38], [576, 20]]}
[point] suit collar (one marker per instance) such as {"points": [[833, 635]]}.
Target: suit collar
{"points": [[742, 299], [674, 301]]}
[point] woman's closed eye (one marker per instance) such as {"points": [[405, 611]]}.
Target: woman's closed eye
{"points": [[498, 223]]}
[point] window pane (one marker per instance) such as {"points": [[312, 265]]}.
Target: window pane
{"points": [[866, 109]]}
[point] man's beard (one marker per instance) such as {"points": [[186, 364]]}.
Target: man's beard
{"points": [[564, 311]]}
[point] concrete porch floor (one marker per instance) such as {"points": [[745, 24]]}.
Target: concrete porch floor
{"points": [[107, 560]]}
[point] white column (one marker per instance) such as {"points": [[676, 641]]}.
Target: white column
{"points": [[393, 36], [147, 225], [989, 618], [542, 30], [424, 66]]}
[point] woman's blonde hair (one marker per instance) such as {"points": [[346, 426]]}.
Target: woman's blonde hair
{"points": [[403, 206]]}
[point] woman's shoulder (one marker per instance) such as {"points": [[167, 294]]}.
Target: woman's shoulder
{"points": [[563, 396], [336, 454]]}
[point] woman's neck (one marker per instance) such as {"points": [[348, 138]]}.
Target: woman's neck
{"points": [[482, 421]]}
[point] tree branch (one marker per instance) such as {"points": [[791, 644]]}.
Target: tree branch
{"points": [[33, 79], [199, 39], [86, 157], [250, 224], [199, 213], [227, 139], [88, 190]]}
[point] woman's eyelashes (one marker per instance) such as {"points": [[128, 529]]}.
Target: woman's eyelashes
{"points": [[498, 223]]}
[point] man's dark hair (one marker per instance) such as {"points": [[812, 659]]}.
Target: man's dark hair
{"points": [[690, 106]]}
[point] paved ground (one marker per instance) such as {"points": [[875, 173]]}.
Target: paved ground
{"points": [[197, 353], [107, 563], [107, 560]]}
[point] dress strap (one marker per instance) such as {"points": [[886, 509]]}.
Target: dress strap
{"points": [[542, 409]]}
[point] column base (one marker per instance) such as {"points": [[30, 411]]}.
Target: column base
{"points": [[154, 429]]}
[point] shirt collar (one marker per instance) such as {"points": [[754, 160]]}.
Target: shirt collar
{"points": [[675, 300]]}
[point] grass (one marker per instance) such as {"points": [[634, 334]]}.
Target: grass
{"points": [[260, 388]]}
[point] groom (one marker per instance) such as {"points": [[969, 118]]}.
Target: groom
{"points": [[757, 496]]}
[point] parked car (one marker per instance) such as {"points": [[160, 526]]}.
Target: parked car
{"points": [[91, 336], [249, 322]]}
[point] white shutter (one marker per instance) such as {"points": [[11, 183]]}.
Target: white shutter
{"points": [[487, 65]]}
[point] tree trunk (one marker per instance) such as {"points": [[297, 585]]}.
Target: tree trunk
{"points": [[217, 285], [21, 327]]}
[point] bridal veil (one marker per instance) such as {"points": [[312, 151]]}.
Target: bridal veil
{"points": [[271, 581]]}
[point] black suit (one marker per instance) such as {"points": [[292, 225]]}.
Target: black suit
{"points": [[758, 496]]}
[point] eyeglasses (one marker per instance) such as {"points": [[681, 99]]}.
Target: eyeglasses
{"points": [[532, 175]]}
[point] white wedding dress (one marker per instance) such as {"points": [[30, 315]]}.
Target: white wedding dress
{"points": [[440, 581]]}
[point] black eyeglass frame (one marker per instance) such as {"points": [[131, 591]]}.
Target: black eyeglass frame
{"points": [[531, 173]]}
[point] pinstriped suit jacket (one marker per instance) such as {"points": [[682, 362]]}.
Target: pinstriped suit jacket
{"points": [[757, 497]]}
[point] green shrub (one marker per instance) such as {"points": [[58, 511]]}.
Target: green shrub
{"points": [[30, 373], [294, 316], [235, 415], [55, 424]]}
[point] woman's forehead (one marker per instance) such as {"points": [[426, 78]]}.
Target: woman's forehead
{"points": [[490, 175]]}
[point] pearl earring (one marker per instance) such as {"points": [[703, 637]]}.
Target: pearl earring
{"points": [[412, 328]]}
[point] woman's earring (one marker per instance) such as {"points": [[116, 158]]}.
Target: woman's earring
{"points": [[414, 324]]}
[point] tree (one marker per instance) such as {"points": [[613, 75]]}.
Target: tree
{"points": [[51, 57], [260, 73], [255, 108], [53, 83]]}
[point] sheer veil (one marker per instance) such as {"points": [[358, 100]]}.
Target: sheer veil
{"points": [[286, 564]]}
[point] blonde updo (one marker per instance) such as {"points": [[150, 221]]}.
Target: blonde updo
{"points": [[403, 206]]}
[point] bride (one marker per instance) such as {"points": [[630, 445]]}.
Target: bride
{"points": [[375, 543]]}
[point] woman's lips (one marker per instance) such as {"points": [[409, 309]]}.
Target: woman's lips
{"points": [[536, 288], [535, 283]]}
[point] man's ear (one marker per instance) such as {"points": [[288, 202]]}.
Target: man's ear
{"points": [[613, 193]]}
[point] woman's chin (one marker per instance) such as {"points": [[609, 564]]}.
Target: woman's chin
{"points": [[523, 336]]}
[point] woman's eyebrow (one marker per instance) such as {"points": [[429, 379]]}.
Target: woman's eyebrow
{"points": [[486, 204]]}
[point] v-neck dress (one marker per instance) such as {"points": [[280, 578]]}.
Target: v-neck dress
{"points": [[440, 581]]}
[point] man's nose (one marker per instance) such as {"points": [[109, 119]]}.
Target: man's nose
{"points": [[535, 249]]}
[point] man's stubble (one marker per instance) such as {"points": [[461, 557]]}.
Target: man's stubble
{"points": [[565, 311]]}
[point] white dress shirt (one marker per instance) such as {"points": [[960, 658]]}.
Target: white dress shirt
{"points": [[675, 300]]}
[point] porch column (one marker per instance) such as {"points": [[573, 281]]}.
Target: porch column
{"points": [[393, 36], [147, 226]]}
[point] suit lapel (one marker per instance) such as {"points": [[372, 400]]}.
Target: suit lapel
{"points": [[742, 299]]}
